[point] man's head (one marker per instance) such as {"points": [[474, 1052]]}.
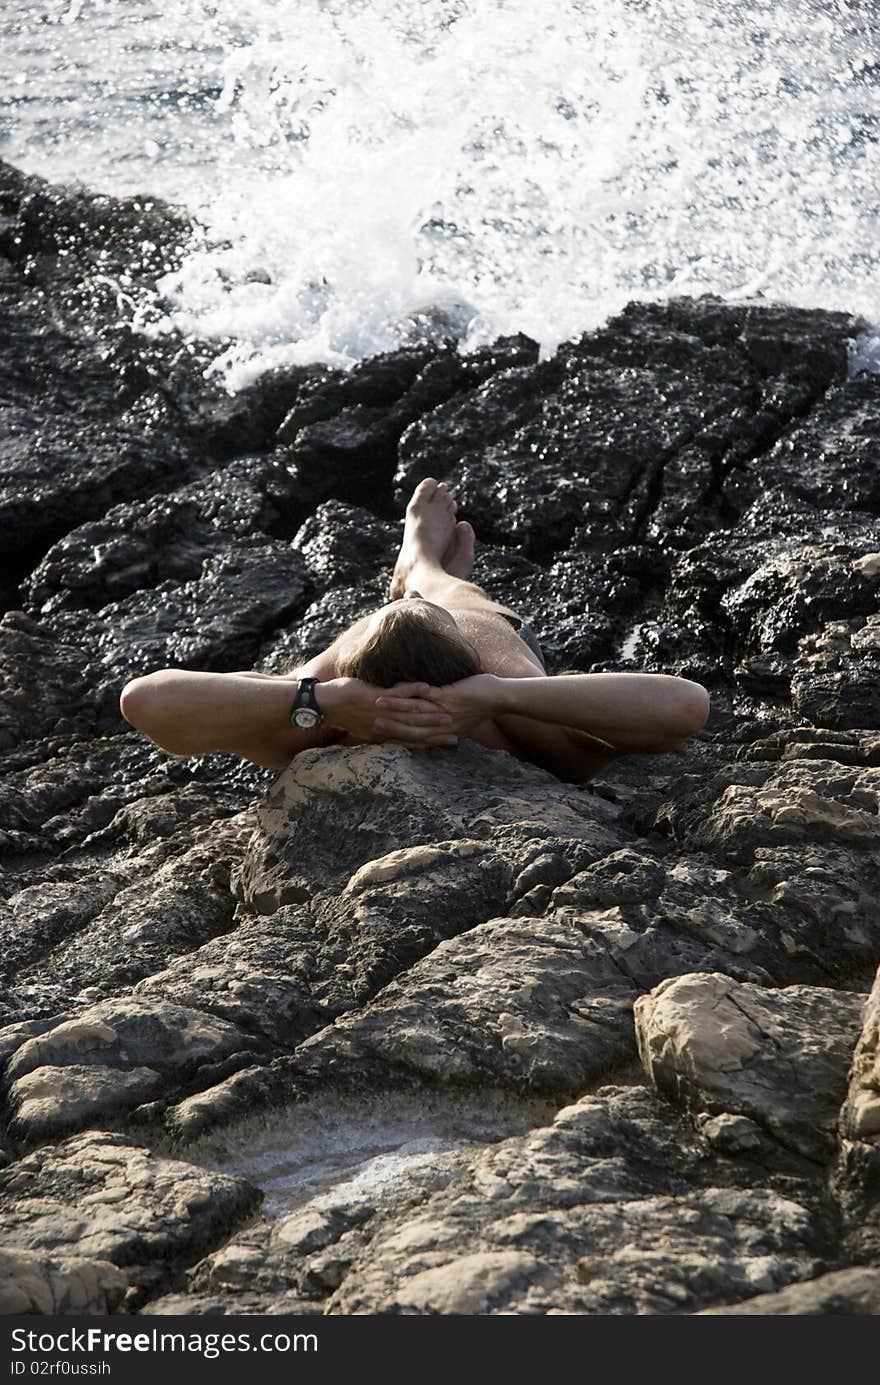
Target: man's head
{"points": [[409, 641]]}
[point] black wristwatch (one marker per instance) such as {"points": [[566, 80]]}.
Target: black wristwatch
{"points": [[305, 714]]}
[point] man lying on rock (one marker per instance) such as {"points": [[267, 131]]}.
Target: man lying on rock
{"points": [[440, 661]]}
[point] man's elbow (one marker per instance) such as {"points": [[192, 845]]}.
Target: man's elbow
{"points": [[145, 704], [136, 702]]}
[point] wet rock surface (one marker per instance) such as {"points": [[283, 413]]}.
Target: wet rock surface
{"points": [[190, 946]]}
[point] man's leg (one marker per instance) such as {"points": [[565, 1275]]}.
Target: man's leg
{"points": [[436, 556]]}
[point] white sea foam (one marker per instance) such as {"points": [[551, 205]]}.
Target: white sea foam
{"points": [[539, 163]]}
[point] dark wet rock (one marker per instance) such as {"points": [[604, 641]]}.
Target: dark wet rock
{"points": [[341, 436], [320, 623], [79, 429], [738, 610], [215, 621], [539, 454], [167, 538], [830, 459], [796, 592], [418, 374], [248, 421], [376, 382], [44, 690], [118, 1202], [57, 234], [806, 346], [341, 542], [777, 1057]]}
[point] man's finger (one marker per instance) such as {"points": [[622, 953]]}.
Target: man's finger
{"points": [[409, 689], [404, 731], [405, 704], [410, 731], [411, 710]]}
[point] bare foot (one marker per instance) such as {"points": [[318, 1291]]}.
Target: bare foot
{"points": [[429, 530], [458, 560]]}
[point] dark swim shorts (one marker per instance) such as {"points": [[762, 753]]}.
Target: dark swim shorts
{"points": [[528, 636]]}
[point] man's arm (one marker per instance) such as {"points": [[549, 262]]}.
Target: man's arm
{"points": [[635, 712], [248, 714], [647, 712]]}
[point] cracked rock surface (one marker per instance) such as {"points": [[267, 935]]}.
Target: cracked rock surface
{"points": [[647, 1007]]}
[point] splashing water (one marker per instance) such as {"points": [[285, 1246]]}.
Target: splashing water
{"points": [[525, 167]]}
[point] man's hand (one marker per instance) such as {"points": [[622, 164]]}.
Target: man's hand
{"points": [[402, 713], [464, 705]]}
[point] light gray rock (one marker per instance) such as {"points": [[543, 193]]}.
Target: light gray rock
{"points": [[857, 1177], [529, 1003], [843, 1293], [119, 1202], [860, 1117], [334, 811], [53, 1100], [602, 1212], [777, 1057], [59, 1284], [12, 1036], [803, 802], [258, 977], [109, 1059], [800, 831]]}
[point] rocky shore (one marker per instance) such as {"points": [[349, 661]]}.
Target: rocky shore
{"points": [[663, 982]]}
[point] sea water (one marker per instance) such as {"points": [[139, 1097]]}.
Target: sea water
{"points": [[519, 165]]}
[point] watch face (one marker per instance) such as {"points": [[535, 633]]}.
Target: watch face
{"points": [[305, 718]]}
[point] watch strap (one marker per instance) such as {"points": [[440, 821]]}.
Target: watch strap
{"points": [[305, 695]]}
